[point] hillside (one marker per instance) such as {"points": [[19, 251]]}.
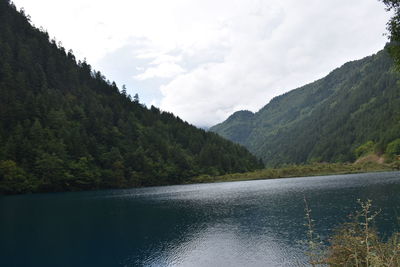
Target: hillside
{"points": [[64, 127], [327, 120]]}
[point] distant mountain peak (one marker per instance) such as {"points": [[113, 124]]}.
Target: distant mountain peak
{"points": [[241, 115], [326, 119]]}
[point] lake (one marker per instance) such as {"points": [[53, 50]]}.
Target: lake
{"points": [[251, 223]]}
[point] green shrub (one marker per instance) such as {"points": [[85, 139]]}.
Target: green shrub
{"points": [[365, 149], [393, 148]]}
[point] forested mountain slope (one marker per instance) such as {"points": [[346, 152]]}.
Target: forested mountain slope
{"points": [[63, 126], [327, 119]]}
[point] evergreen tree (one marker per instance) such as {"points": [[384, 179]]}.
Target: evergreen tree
{"points": [[64, 127]]}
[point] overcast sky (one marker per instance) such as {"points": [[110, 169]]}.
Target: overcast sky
{"points": [[205, 59]]}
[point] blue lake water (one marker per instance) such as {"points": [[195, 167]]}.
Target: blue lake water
{"points": [[252, 223]]}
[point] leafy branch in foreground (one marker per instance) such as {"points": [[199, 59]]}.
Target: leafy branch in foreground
{"points": [[357, 243], [393, 27]]}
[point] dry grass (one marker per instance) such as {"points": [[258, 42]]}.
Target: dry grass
{"points": [[357, 243], [316, 169]]}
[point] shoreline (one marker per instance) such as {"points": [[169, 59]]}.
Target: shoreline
{"points": [[296, 171], [290, 171]]}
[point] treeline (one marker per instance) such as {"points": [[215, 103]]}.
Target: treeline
{"points": [[327, 120], [63, 126]]}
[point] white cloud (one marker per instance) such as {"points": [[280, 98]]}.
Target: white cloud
{"points": [[162, 66], [280, 47], [162, 70], [207, 59]]}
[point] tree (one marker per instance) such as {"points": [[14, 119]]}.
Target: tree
{"points": [[52, 173], [64, 126], [136, 98], [13, 179], [123, 91], [393, 148], [365, 149], [393, 27]]}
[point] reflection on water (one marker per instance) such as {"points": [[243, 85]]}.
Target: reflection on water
{"points": [[254, 223]]}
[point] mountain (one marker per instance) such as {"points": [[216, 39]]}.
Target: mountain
{"points": [[326, 120], [64, 127]]}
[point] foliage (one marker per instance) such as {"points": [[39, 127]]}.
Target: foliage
{"points": [[327, 120], [393, 148], [64, 127], [357, 243], [13, 179], [393, 27], [365, 149]]}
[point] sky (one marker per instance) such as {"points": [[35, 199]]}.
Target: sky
{"points": [[205, 59]]}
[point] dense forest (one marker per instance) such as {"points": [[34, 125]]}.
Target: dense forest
{"points": [[64, 127], [353, 111]]}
